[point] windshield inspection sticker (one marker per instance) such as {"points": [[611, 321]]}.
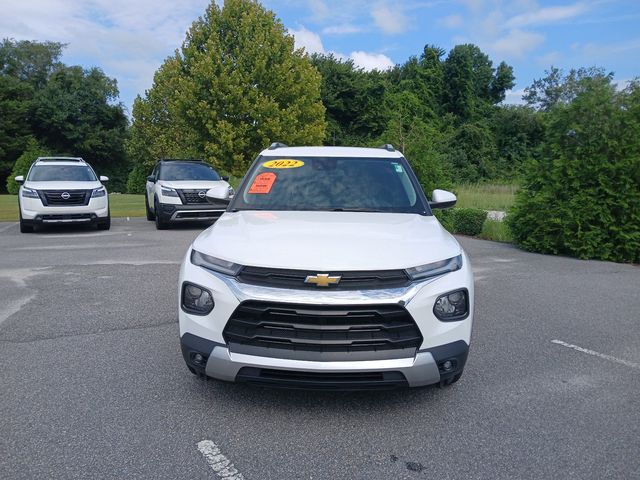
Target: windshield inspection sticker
{"points": [[398, 167], [262, 183], [283, 163]]}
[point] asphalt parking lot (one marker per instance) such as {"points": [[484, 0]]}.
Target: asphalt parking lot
{"points": [[93, 384]]}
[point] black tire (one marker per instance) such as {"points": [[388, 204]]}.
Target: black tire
{"points": [[24, 228], [150, 215], [105, 224], [161, 224]]}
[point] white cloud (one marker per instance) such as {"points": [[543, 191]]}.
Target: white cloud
{"points": [[516, 43], [547, 15], [371, 61], [452, 21], [514, 97], [310, 41], [390, 20], [319, 9], [551, 58], [342, 29], [127, 39]]}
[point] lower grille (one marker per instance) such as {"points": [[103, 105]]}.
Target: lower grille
{"points": [[196, 215], [61, 198], [67, 217], [323, 329], [320, 380]]}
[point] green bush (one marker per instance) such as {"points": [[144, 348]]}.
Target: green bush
{"points": [[467, 221], [24, 161], [137, 179], [582, 196]]}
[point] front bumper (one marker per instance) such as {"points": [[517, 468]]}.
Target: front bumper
{"points": [[189, 213], [425, 368], [33, 212], [203, 335]]}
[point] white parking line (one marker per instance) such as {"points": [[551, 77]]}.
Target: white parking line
{"points": [[220, 464], [597, 354]]}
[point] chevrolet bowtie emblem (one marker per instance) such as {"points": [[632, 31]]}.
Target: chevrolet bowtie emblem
{"points": [[323, 279]]}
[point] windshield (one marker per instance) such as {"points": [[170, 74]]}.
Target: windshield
{"points": [[330, 184], [187, 171], [61, 173]]}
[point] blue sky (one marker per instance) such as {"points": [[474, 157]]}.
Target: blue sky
{"points": [[129, 39]]}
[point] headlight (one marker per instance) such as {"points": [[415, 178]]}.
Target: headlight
{"points": [[29, 193], [436, 268], [452, 306], [168, 192], [196, 300], [215, 264], [98, 192]]}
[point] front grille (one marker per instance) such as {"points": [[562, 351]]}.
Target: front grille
{"points": [[57, 198], [192, 197], [328, 330], [350, 280], [321, 380]]}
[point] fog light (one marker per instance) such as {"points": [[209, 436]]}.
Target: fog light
{"points": [[199, 359], [196, 300], [452, 306], [447, 365]]}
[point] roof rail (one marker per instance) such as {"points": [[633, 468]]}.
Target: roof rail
{"points": [[276, 145], [59, 159], [388, 147]]}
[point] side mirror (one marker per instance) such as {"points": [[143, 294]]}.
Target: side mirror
{"points": [[218, 194], [225, 178], [442, 199], [151, 179], [104, 179], [19, 179]]}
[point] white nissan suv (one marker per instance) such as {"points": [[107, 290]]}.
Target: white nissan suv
{"points": [[175, 192], [327, 271], [62, 190]]}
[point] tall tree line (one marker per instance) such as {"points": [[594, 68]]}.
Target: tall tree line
{"points": [[49, 107]]}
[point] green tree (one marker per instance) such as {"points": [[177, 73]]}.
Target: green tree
{"points": [[24, 68], [472, 84], [354, 101], [75, 114], [241, 85], [581, 197], [32, 151], [557, 88], [158, 130]]}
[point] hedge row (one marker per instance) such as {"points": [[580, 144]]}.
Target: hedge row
{"points": [[467, 221]]}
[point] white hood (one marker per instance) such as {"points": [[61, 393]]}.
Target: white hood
{"points": [[192, 184], [62, 185], [326, 241]]}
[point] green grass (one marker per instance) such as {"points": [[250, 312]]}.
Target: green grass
{"points": [[496, 231], [486, 196], [122, 205]]}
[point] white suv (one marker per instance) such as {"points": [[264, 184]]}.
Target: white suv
{"points": [[176, 190], [328, 271], [62, 190]]}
